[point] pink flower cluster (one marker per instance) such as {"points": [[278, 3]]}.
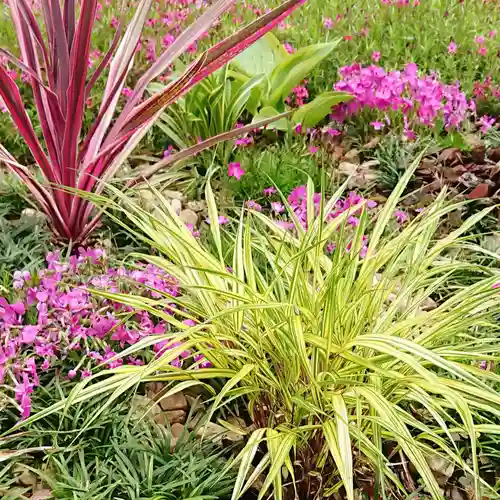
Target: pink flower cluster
{"points": [[298, 202], [421, 99], [55, 322]]}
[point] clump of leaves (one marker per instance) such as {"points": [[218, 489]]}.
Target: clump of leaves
{"points": [[394, 157], [121, 455]]}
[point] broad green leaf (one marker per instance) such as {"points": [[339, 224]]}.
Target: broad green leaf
{"points": [[290, 72], [261, 57], [310, 114]]}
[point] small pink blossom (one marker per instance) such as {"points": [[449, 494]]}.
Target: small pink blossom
{"points": [[486, 123], [376, 56], [313, 149], [401, 217], [328, 23], [377, 125], [452, 47], [482, 51], [277, 207], [253, 205], [234, 170], [479, 39], [289, 48], [269, 191], [333, 132]]}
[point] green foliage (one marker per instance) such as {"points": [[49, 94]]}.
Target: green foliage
{"points": [[211, 108], [286, 165], [24, 239], [336, 357], [122, 455], [279, 73], [394, 157]]}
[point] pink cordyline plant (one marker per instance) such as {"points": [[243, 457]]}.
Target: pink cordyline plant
{"points": [[56, 67]]}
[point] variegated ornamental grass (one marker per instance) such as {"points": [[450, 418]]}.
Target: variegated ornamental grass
{"points": [[56, 67], [335, 354]]}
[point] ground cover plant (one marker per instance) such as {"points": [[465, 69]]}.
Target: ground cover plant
{"points": [[290, 288]]}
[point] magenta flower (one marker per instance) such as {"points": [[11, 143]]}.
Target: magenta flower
{"points": [[313, 149], [376, 56], [377, 125], [277, 207], [72, 374], [29, 334], [486, 123], [452, 47], [221, 220], [253, 205], [328, 23], [482, 51], [401, 217], [333, 132], [269, 191], [289, 48], [234, 170], [479, 39]]}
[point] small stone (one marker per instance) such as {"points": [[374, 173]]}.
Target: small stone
{"points": [[176, 205], [352, 156], [173, 195], [42, 494], [189, 216], [176, 401], [348, 168], [32, 215], [197, 206], [24, 476], [494, 154], [372, 144], [217, 433], [160, 419], [176, 417], [443, 469], [177, 430], [154, 388], [456, 494]]}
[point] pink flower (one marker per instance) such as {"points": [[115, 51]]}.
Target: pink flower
{"points": [[71, 374], [328, 23], [313, 149], [29, 334], [486, 123], [269, 191], [333, 132], [376, 56], [127, 92], [289, 48], [277, 207], [234, 170], [253, 205], [377, 125], [482, 51], [401, 216], [492, 34], [479, 39], [222, 220], [452, 47]]}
